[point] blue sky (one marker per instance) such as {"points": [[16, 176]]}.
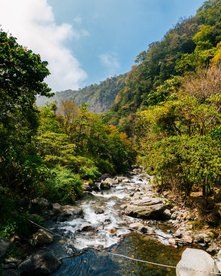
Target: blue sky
{"points": [[86, 41]]}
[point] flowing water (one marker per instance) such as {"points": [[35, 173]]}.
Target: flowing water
{"points": [[102, 229]]}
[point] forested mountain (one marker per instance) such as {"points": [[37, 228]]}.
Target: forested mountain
{"points": [[99, 97], [193, 43], [171, 106]]}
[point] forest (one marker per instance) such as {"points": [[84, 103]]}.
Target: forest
{"points": [[47, 152], [171, 104], [166, 116]]}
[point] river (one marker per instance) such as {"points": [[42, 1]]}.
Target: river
{"points": [[88, 241]]}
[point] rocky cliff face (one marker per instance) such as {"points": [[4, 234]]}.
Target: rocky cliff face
{"points": [[99, 97]]}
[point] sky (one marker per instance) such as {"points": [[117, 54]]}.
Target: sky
{"points": [[86, 41]]}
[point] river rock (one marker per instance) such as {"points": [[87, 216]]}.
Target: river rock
{"points": [[187, 238], [39, 205], [10, 263], [218, 262], [98, 210], [203, 237], [111, 181], [89, 187], [214, 246], [43, 202], [42, 237], [69, 212], [178, 234], [72, 210], [195, 262], [10, 272], [87, 228], [172, 242], [103, 177], [119, 179], [125, 180], [167, 213], [106, 184], [56, 208], [138, 226], [4, 245], [138, 170], [112, 231], [40, 263], [148, 208]]}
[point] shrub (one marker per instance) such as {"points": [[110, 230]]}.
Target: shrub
{"points": [[64, 186], [89, 172]]}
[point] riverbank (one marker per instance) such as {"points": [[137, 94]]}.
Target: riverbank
{"points": [[115, 214], [191, 225]]}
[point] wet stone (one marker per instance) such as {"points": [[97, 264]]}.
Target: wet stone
{"points": [[103, 221], [41, 263], [99, 211], [42, 237], [4, 245], [138, 226], [10, 272], [87, 228], [105, 186]]}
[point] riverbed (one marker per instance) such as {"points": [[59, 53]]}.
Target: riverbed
{"points": [[87, 242]]}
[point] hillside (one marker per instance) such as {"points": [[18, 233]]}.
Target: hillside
{"points": [[99, 97], [171, 107], [193, 43]]}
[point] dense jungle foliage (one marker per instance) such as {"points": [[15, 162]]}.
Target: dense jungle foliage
{"points": [[171, 104], [193, 43], [47, 152]]}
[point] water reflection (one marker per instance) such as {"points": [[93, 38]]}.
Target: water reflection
{"points": [[92, 262]]}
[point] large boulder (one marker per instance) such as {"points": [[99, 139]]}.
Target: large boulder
{"points": [[69, 212], [147, 208], [195, 262], [56, 208], [107, 183], [105, 186], [10, 272], [40, 263], [72, 210], [42, 237], [218, 262], [4, 245]]}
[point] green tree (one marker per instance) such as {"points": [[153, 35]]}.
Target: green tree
{"points": [[179, 140], [21, 78]]}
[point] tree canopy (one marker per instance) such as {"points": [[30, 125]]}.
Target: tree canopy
{"points": [[21, 79]]}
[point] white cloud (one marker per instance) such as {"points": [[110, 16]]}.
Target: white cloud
{"points": [[79, 32], [110, 62], [78, 19], [33, 23]]}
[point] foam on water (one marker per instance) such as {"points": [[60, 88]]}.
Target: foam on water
{"points": [[102, 223]]}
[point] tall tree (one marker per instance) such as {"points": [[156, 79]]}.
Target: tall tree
{"points": [[21, 78]]}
